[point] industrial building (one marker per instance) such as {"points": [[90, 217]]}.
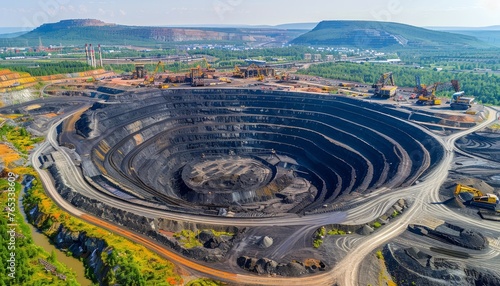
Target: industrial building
{"points": [[254, 71]]}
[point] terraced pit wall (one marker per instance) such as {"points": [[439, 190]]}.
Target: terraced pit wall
{"points": [[342, 144]]}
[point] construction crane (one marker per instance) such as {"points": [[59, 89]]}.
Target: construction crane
{"points": [[385, 86], [149, 81], [489, 201]]}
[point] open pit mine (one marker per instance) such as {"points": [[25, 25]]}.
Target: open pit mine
{"points": [[232, 152]]}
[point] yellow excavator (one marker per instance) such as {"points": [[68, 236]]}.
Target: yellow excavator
{"points": [[260, 76], [209, 68], [489, 201], [238, 73], [429, 98], [149, 81]]}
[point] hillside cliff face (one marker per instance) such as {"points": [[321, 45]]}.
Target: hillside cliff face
{"points": [[89, 30], [376, 35], [69, 24]]}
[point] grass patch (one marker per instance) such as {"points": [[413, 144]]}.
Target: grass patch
{"points": [[383, 279], [318, 237], [221, 233], [336, 232], [11, 116], [495, 126], [188, 238], [204, 282], [9, 156], [19, 137], [317, 243], [395, 213]]}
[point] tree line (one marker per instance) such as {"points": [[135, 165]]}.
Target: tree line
{"points": [[50, 68]]}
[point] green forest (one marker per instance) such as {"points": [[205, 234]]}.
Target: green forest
{"points": [[485, 87], [49, 68], [295, 53]]}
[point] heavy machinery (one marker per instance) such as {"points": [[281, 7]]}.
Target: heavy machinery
{"points": [[149, 81], [163, 86], [458, 100], [478, 199], [138, 73], [260, 76], [238, 73], [461, 102], [225, 79], [426, 97], [385, 86], [254, 70], [420, 89], [197, 76], [284, 76], [209, 68]]}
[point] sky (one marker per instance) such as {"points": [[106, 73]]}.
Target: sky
{"points": [[423, 13]]}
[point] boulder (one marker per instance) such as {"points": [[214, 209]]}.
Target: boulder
{"points": [[214, 242], [205, 236], [397, 208], [292, 269], [402, 203], [365, 230], [266, 242]]}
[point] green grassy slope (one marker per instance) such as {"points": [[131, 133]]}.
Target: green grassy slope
{"points": [[372, 34]]}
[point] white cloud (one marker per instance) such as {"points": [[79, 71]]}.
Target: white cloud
{"points": [[82, 9], [490, 4]]}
